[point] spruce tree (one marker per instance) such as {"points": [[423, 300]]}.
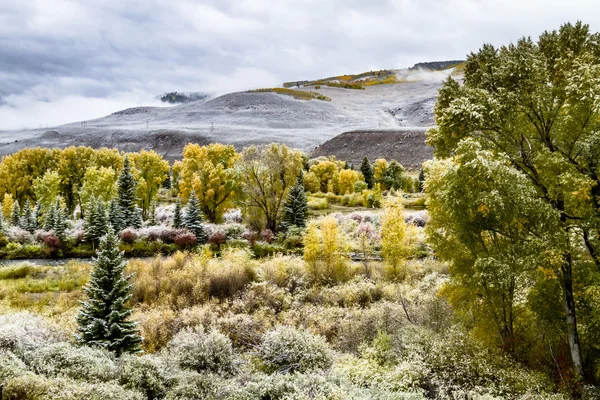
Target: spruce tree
{"points": [[25, 220], [177, 217], [367, 172], [115, 216], [96, 220], [60, 220], [49, 218], [126, 195], [34, 222], [193, 219], [15, 215], [295, 209], [104, 317], [137, 219]]}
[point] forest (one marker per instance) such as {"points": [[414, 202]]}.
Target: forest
{"points": [[264, 274]]}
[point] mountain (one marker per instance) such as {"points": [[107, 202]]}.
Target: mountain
{"points": [[304, 115]]}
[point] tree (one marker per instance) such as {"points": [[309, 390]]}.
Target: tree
{"points": [[393, 233], [393, 177], [193, 219], [209, 171], [266, 174], [177, 216], [379, 169], [150, 171], [326, 172], [49, 218], [15, 215], [7, 205], [536, 106], [367, 171], [347, 179], [295, 209], [99, 182], [96, 223], [73, 162], [126, 198], [27, 221], [103, 319], [59, 225], [18, 171], [47, 189]]}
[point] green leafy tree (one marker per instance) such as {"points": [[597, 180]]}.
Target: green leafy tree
{"points": [[193, 219], [127, 200], [367, 171], [393, 177], [104, 318], [536, 106], [266, 174], [47, 189], [295, 210]]}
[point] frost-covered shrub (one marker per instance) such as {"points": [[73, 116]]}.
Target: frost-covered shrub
{"points": [[128, 235], [145, 374], [18, 235], [164, 214], [151, 233], [233, 216], [185, 239], [80, 363], [193, 386], [233, 230], [76, 231], [267, 235], [168, 235], [287, 349], [10, 365], [22, 332], [202, 352], [250, 236], [418, 218]]}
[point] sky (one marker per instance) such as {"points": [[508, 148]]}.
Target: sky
{"points": [[70, 60]]}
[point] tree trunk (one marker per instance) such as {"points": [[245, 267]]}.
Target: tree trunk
{"points": [[571, 319]]}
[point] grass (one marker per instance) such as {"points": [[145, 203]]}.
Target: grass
{"points": [[297, 94]]}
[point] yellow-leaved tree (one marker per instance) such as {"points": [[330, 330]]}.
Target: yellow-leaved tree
{"points": [[100, 183], [393, 234], [209, 170], [150, 170]]}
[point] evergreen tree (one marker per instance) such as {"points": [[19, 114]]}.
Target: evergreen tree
{"points": [[49, 218], [193, 219], [367, 172], [421, 179], [15, 215], [104, 317], [137, 220], [295, 209], [60, 220], [126, 198], [25, 220], [152, 214], [35, 223], [96, 220], [177, 217], [115, 216]]}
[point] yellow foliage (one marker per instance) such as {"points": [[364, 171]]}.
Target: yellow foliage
{"points": [[381, 166], [347, 178], [7, 205], [393, 237]]}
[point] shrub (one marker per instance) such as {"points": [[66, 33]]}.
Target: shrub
{"points": [[194, 386], [185, 239], [144, 374], [202, 352], [285, 271], [22, 332], [315, 203], [217, 239], [287, 350], [228, 276], [264, 249], [80, 363], [250, 236], [233, 230], [18, 235], [234, 215], [128, 235], [10, 365]]}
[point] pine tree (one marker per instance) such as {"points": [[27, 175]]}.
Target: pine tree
{"points": [[367, 172], [295, 209], [177, 217], [104, 317], [421, 179], [60, 220], [15, 215], [49, 218], [193, 219], [35, 223], [115, 216], [137, 219], [96, 220], [25, 220], [126, 195], [152, 214]]}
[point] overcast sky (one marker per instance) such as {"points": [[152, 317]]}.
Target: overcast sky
{"points": [[63, 61]]}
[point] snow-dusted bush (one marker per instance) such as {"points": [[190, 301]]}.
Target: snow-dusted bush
{"points": [[233, 216], [145, 374], [81, 363], [164, 214], [152, 233], [233, 230], [24, 331], [194, 386], [418, 218], [76, 231], [18, 235], [185, 239], [128, 235], [200, 351], [287, 349], [10, 365]]}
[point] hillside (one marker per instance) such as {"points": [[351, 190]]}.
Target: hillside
{"points": [[400, 99]]}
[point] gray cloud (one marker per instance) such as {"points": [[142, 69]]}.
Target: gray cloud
{"points": [[67, 60]]}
